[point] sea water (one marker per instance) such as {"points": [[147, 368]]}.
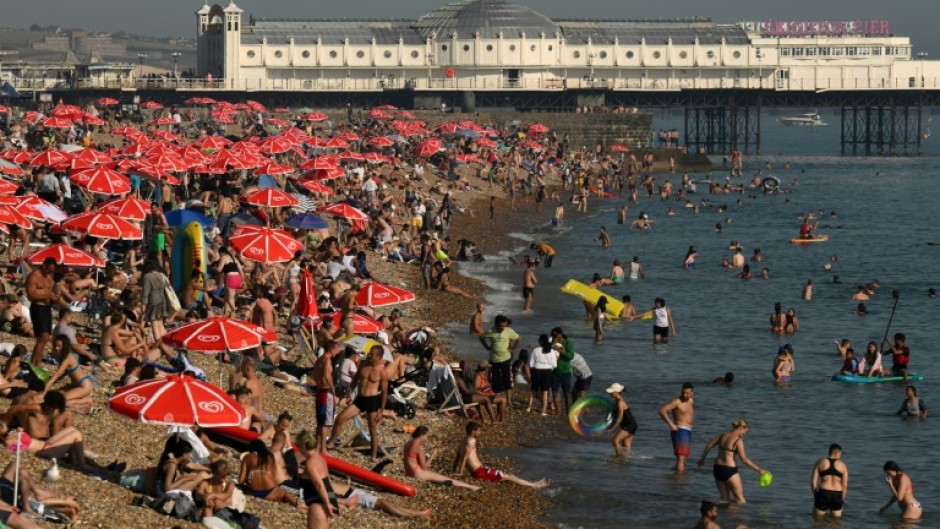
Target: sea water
{"points": [[886, 211]]}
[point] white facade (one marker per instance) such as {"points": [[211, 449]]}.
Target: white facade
{"points": [[555, 55]]}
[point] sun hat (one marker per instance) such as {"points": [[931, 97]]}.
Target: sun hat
{"points": [[615, 388]]}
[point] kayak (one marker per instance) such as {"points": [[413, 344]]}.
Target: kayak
{"points": [[875, 380], [818, 238]]}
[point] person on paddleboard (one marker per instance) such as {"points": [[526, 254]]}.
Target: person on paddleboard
{"points": [[806, 229]]}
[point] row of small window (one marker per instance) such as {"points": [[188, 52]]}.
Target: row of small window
{"points": [[512, 47], [850, 51]]}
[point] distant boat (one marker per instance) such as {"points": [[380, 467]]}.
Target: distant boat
{"points": [[812, 119]]}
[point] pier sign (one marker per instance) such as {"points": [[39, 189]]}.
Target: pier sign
{"points": [[810, 28]]}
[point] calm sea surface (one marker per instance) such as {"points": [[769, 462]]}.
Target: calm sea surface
{"points": [[887, 209]]}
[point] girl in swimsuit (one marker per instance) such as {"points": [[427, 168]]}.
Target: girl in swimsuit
{"points": [[416, 466], [902, 491], [730, 447], [625, 420], [257, 475], [322, 505], [215, 493], [78, 393]]}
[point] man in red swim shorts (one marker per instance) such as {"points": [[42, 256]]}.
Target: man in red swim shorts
{"points": [[467, 459]]}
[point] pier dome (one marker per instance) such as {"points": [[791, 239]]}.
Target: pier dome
{"points": [[489, 18]]}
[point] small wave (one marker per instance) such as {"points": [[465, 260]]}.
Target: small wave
{"points": [[521, 236]]}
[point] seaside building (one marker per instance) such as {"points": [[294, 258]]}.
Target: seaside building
{"points": [[493, 45]]}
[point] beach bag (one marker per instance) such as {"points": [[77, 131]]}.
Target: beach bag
{"points": [[178, 505], [171, 299]]}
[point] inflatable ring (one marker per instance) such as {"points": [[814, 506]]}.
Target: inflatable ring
{"points": [[771, 183], [580, 422]]}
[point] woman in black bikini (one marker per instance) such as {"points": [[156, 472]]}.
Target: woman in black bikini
{"points": [[318, 493], [257, 476], [730, 446]]}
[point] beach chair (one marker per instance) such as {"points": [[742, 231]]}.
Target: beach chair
{"points": [[442, 382]]}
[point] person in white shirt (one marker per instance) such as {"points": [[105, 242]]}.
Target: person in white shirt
{"points": [[542, 363]]}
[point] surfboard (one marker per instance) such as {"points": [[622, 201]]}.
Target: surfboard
{"points": [[591, 295], [358, 473], [818, 238], [874, 380]]}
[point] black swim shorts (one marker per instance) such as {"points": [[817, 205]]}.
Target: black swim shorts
{"points": [[41, 315], [827, 500], [368, 404]]}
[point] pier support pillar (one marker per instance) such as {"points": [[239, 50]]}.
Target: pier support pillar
{"points": [[722, 129], [882, 130]]}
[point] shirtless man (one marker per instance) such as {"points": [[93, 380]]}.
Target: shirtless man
{"points": [[629, 311], [476, 321], [326, 397], [737, 261], [528, 285], [39, 284], [709, 513], [467, 459], [559, 215], [830, 483], [682, 419], [808, 290], [372, 383], [396, 368]]}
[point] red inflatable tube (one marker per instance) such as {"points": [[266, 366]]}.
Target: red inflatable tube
{"points": [[355, 472]]}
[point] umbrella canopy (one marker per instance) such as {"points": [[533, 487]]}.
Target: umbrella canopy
{"points": [[11, 216], [276, 145], [56, 123], [150, 105], [264, 245], [7, 187], [37, 208], [485, 142], [103, 226], [620, 148], [327, 174], [182, 217], [380, 295], [130, 208], [362, 324], [50, 158], [314, 116], [315, 186], [177, 400], [382, 141], [107, 101], [344, 210], [429, 147], [270, 197], [102, 180], [218, 335], [65, 255], [307, 221]]}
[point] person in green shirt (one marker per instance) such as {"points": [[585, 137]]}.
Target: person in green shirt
{"points": [[561, 378], [501, 341]]}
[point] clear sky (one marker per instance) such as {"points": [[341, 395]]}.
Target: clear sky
{"points": [[913, 18]]}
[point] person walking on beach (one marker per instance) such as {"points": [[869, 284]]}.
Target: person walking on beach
{"points": [[501, 341], [372, 383], [562, 378], [528, 285], [468, 459], [40, 294], [725, 471], [679, 414], [476, 321], [902, 492], [662, 321], [623, 440], [830, 483]]}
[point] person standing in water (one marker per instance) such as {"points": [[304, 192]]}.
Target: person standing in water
{"points": [[725, 471], [476, 321], [679, 414], [913, 406], [623, 440], [599, 316], [603, 237], [690, 256], [636, 270], [830, 483], [902, 492], [528, 285], [662, 321]]}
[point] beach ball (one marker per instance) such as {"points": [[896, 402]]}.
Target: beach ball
{"points": [[592, 414], [766, 479]]}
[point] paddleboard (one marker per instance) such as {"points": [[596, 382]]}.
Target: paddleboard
{"points": [[874, 380], [818, 238], [591, 295]]}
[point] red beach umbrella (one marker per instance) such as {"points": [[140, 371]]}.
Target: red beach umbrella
{"points": [[9, 215], [485, 142], [271, 197], [315, 186], [178, 400], [314, 116], [50, 158], [218, 335], [276, 145], [35, 208], [320, 162], [103, 226], [7, 187], [150, 105], [212, 143], [537, 128], [130, 208], [344, 210], [272, 168], [56, 123], [107, 101], [163, 120], [382, 141], [620, 148], [65, 255], [380, 295], [102, 180], [307, 300], [264, 245]]}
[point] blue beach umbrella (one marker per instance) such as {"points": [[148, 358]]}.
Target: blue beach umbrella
{"points": [[307, 221], [182, 217]]}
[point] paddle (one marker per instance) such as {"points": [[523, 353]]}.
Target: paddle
{"points": [[897, 296]]}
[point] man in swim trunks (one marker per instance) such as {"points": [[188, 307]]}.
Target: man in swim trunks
{"points": [[528, 285], [372, 383], [682, 412], [39, 291], [467, 459], [830, 483], [900, 355], [326, 397]]}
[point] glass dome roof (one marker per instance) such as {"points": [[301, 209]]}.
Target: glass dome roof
{"points": [[488, 17]]}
